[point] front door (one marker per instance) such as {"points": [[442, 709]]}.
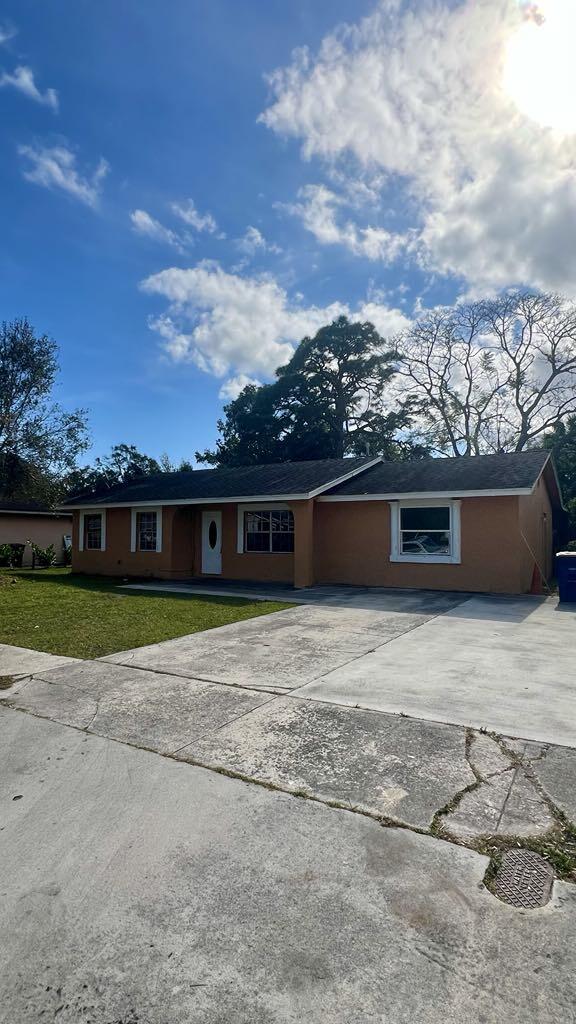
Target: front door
{"points": [[212, 543]]}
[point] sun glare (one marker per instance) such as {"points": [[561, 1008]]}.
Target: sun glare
{"points": [[540, 66]]}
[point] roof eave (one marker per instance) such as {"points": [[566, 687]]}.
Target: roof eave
{"points": [[190, 501], [417, 495]]}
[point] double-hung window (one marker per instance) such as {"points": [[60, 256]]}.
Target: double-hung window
{"points": [[146, 529], [93, 531], [269, 530], [425, 532]]}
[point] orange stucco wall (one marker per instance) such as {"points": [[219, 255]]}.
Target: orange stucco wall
{"points": [[352, 545], [341, 542], [181, 554], [277, 568], [535, 517]]}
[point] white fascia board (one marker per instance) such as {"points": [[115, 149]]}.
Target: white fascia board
{"points": [[425, 495], [209, 502], [45, 515]]}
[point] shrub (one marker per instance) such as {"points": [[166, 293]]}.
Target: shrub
{"points": [[11, 555], [571, 546], [44, 557]]}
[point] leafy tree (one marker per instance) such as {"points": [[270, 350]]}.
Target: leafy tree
{"points": [[167, 466], [38, 439], [562, 443], [124, 463], [326, 402], [491, 376]]}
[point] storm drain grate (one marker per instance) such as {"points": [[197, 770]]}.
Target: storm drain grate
{"points": [[524, 879]]}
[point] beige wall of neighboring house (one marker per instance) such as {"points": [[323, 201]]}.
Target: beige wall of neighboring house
{"points": [[43, 530]]}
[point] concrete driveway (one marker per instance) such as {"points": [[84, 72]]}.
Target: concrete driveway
{"points": [[183, 882], [503, 664]]}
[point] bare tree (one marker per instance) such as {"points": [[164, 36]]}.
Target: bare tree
{"points": [[493, 375]]}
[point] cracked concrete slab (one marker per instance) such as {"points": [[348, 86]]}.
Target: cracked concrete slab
{"points": [[507, 804], [386, 765], [163, 892], [556, 773], [21, 661], [395, 767], [147, 709], [487, 757], [485, 663]]}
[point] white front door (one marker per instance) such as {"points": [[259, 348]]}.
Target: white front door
{"points": [[212, 543]]}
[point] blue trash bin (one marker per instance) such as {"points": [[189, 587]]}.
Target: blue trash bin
{"points": [[566, 575]]}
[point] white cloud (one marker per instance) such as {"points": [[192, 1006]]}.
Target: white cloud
{"points": [[232, 387], [7, 32], [55, 167], [144, 224], [253, 241], [416, 92], [242, 326], [318, 210], [188, 213], [23, 81]]}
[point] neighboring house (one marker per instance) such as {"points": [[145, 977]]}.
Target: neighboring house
{"points": [[473, 524], [22, 522]]}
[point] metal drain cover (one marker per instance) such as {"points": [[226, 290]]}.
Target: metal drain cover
{"points": [[524, 879]]}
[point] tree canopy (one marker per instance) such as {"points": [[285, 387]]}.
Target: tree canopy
{"points": [[38, 439], [123, 463], [328, 401], [562, 443], [493, 375]]}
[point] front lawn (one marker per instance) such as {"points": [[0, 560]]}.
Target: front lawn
{"points": [[88, 617]]}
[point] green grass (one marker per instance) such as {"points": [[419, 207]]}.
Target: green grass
{"points": [[88, 616]]}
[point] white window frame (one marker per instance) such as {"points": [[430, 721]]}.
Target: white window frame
{"points": [[133, 523], [92, 512], [396, 553], [259, 506]]}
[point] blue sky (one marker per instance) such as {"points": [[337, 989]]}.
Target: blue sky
{"points": [[177, 220]]}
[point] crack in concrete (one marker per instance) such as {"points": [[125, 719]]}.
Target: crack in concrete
{"points": [[507, 797], [436, 829]]}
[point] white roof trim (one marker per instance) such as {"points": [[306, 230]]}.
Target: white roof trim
{"points": [[346, 476], [411, 495], [21, 512], [249, 499]]}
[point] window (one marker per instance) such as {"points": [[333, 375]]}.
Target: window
{"points": [[92, 531], [425, 533], [269, 530], [146, 529]]}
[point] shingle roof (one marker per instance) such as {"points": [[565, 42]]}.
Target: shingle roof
{"points": [[274, 480], [511, 471], [27, 507]]}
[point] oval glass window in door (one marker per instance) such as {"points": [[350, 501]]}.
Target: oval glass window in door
{"points": [[212, 534]]}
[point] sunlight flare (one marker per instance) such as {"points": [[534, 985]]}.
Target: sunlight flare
{"points": [[540, 69]]}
